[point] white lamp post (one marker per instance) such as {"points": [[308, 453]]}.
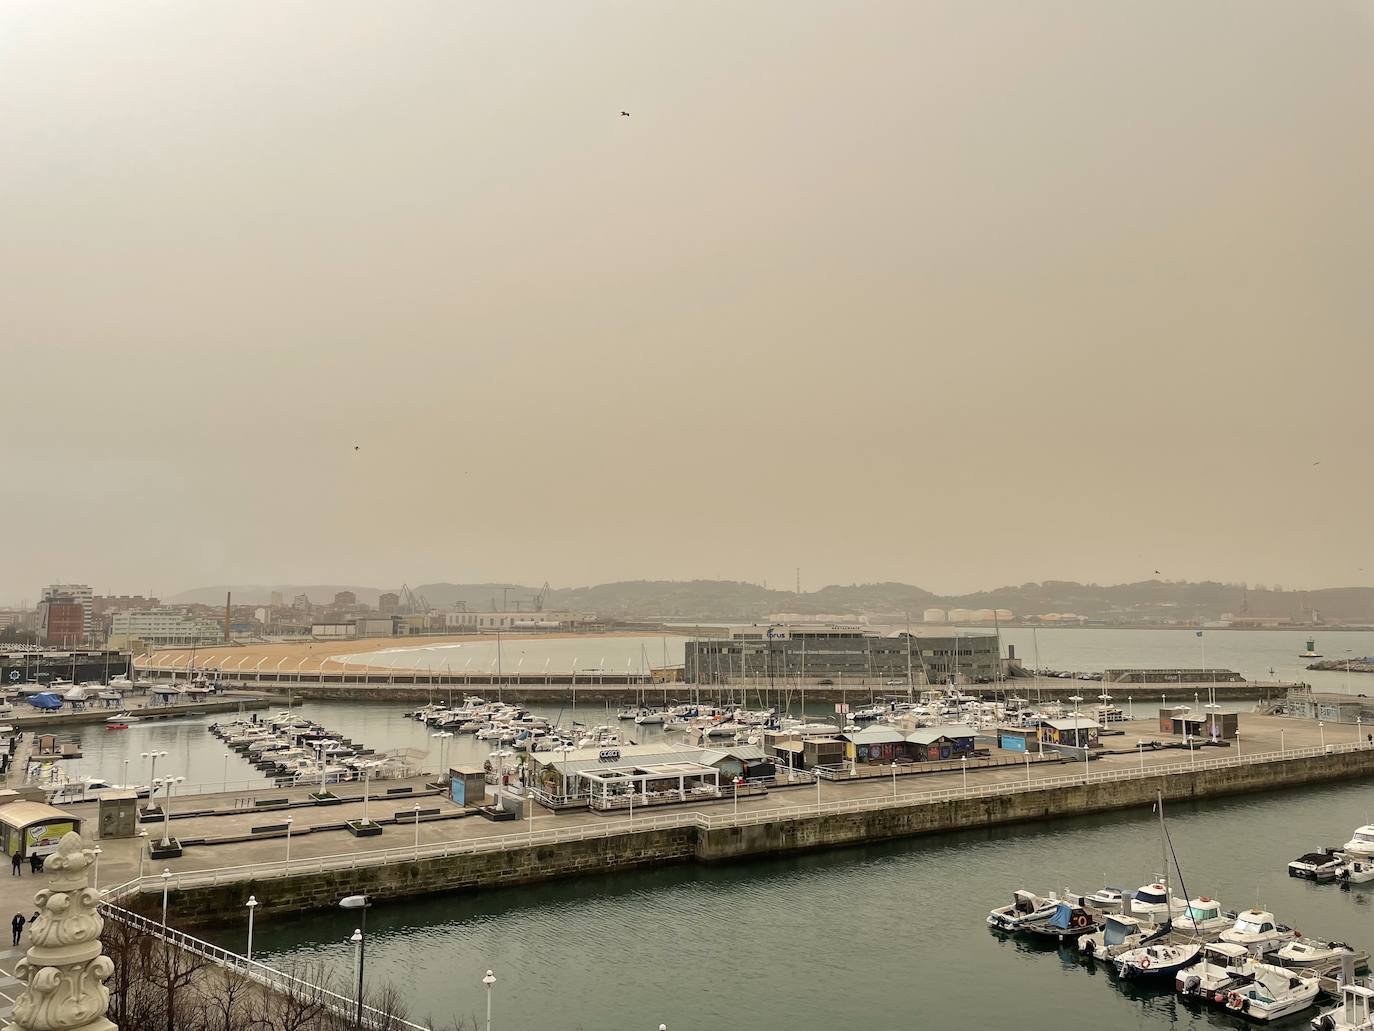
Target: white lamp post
{"points": [[894, 778], [167, 783], [1028, 772], [1238, 751], [152, 758], [1140, 747], [252, 904], [964, 758], [489, 980], [416, 809], [360, 936], [289, 821], [1283, 749], [96, 885], [166, 876], [1321, 727], [357, 941], [225, 785]]}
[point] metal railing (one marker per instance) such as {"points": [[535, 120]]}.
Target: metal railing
{"points": [[261, 973], [516, 838]]}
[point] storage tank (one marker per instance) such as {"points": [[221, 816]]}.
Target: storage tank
{"points": [[958, 615], [1004, 616], [934, 616], [983, 615]]}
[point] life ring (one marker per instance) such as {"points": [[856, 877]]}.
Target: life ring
{"points": [[14, 676], [1144, 962], [1080, 921], [1234, 1001]]}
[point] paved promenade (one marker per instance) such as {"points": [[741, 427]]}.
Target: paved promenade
{"points": [[123, 859]]}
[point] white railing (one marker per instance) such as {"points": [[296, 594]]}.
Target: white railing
{"points": [[517, 838], [270, 977]]}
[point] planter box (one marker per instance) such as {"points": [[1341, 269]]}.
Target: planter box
{"points": [[363, 830], [156, 850], [325, 798]]}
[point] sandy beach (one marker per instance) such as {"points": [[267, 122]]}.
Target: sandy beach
{"points": [[323, 655]]}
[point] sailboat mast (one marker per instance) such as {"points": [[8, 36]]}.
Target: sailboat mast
{"points": [[1164, 850]]}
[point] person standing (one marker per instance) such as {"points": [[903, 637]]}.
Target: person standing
{"points": [[17, 926], [15, 863]]}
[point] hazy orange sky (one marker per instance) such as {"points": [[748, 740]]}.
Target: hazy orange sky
{"points": [[957, 293]]}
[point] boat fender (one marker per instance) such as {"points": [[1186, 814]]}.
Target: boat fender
{"points": [[1080, 921], [1144, 962], [1234, 1001]]}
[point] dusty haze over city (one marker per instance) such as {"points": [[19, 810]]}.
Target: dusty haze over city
{"points": [[960, 294]]}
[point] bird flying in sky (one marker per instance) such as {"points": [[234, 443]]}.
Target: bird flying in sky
{"points": [[624, 114]]}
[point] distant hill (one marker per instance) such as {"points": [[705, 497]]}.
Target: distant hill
{"points": [[1149, 601]]}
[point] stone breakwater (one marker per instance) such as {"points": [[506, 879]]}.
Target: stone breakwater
{"points": [[748, 838]]}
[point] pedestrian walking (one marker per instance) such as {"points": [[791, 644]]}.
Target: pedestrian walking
{"points": [[17, 926], [15, 863], [33, 863]]}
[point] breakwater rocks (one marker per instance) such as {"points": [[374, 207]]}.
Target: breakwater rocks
{"points": [[1364, 664]]}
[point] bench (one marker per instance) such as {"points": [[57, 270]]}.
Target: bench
{"points": [[400, 791], [410, 815], [259, 803], [271, 828]]}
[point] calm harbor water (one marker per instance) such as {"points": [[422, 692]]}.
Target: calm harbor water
{"points": [[884, 936]]}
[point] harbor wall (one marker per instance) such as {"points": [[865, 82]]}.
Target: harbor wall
{"points": [[830, 830], [523, 864], [519, 864], [593, 694]]}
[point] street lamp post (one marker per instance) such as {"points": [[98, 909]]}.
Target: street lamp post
{"points": [[416, 809], [96, 885], [1238, 751], [1028, 772], [360, 936], [168, 783], [489, 980], [152, 758], [894, 778], [1283, 749], [289, 821], [224, 786], [357, 941], [1321, 728], [1140, 747], [965, 762], [252, 904], [166, 876]]}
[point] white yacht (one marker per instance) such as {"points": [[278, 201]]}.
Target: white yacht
{"points": [[1026, 908], [1310, 952], [1259, 932], [1272, 993], [1119, 934], [1355, 1012], [650, 718], [1221, 966], [1154, 902], [1203, 916], [1361, 846]]}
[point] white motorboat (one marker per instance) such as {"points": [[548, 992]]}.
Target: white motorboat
{"points": [[1361, 845], [1311, 952], [1320, 866], [1026, 908], [1121, 933], [1272, 993], [1355, 1011], [1259, 932], [1153, 902], [1220, 967], [650, 718], [121, 718], [1156, 961], [1356, 871], [1203, 916]]}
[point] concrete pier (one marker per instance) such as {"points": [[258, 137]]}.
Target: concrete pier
{"points": [[211, 883]]}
